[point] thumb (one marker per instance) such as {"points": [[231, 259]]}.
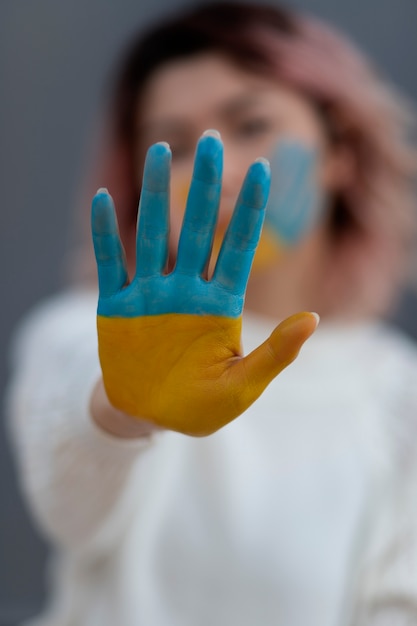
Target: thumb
{"points": [[265, 362]]}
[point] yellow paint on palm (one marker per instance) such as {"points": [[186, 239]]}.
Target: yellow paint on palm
{"points": [[172, 369], [186, 372]]}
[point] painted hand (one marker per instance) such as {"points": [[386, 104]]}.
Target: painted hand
{"points": [[169, 344]]}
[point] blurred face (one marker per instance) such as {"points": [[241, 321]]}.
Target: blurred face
{"points": [[187, 96]]}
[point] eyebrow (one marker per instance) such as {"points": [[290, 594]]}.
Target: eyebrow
{"points": [[242, 101], [236, 104]]}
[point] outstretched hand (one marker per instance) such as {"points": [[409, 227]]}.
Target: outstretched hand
{"points": [[169, 344]]}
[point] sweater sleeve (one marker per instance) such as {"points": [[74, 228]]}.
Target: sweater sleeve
{"points": [[387, 581], [77, 479]]}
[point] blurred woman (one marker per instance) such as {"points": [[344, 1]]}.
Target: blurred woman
{"points": [[303, 509]]}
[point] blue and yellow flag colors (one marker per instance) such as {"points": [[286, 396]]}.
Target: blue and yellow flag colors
{"points": [[169, 344]]}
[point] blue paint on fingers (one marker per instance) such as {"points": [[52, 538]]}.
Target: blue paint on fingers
{"points": [[184, 291]]}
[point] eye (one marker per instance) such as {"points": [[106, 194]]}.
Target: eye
{"points": [[254, 126]]}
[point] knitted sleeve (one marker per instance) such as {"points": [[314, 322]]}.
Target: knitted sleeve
{"points": [[78, 480]]}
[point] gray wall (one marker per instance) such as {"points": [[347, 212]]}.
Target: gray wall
{"points": [[54, 56]]}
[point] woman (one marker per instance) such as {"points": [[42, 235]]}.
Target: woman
{"points": [[302, 510]]}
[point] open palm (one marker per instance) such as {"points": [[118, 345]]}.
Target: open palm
{"points": [[169, 344]]}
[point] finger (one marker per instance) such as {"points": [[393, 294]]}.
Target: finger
{"points": [[262, 365], [202, 206], [108, 249], [292, 205], [153, 218], [242, 236]]}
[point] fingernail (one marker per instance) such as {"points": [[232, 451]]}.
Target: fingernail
{"points": [[316, 316], [102, 190], [262, 160], [211, 132]]}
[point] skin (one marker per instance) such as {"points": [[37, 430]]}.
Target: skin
{"points": [[251, 113]]}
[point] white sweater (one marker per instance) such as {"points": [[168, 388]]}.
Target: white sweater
{"points": [[302, 512]]}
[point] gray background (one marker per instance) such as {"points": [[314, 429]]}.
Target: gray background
{"points": [[54, 57]]}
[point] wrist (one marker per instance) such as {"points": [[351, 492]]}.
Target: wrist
{"points": [[115, 422]]}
